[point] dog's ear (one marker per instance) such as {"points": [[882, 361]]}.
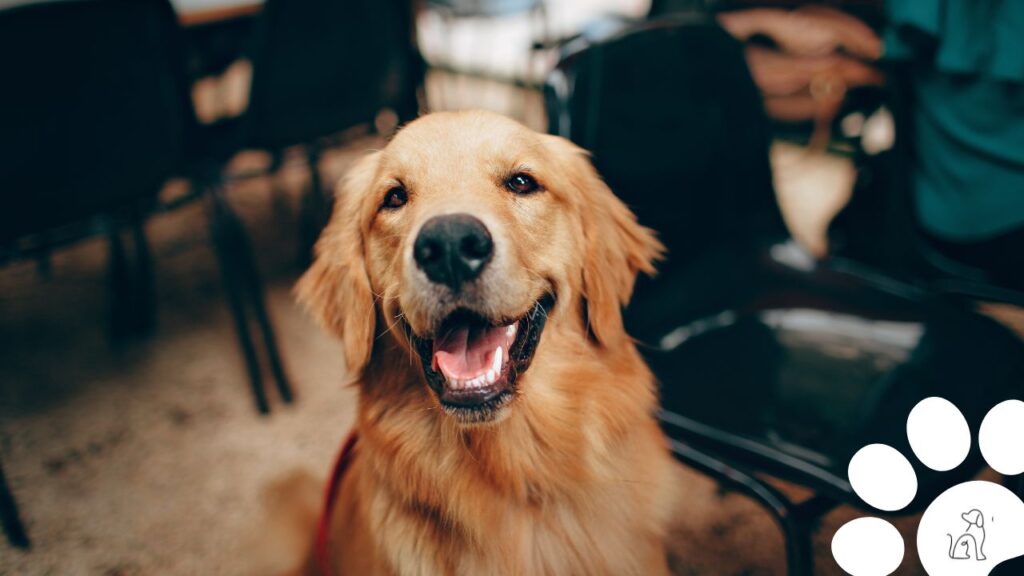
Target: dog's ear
{"points": [[617, 246], [336, 288]]}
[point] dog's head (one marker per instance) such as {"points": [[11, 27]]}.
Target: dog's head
{"points": [[974, 517], [462, 240]]}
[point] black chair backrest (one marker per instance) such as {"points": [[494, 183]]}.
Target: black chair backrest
{"points": [[320, 67], [93, 109], [677, 129]]}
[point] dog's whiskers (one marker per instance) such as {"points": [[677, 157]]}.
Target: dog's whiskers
{"points": [[397, 319]]}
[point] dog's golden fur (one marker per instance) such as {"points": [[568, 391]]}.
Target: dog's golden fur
{"points": [[574, 476]]}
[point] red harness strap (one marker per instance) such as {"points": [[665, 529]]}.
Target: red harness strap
{"points": [[330, 496]]}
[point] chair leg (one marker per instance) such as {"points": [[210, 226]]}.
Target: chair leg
{"points": [[119, 286], [228, 241], [13, 527], [797, 528], [144, 292], [270, 344], [132, 294], [799, 546], [257, 298]]}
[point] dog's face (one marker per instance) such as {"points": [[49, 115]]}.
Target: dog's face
{"points": [[463, 239]]}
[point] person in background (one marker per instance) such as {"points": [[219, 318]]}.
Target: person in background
{"points": [[966, 67], [810, 58]]}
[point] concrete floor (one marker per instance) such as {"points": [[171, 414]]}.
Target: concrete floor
{"points": [[149, 458]]}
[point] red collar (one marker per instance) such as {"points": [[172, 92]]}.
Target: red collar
{"points": [[330, 497]]}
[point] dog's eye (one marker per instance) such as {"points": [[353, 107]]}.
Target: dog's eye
{"points": [[395, 198], [521, 183]]}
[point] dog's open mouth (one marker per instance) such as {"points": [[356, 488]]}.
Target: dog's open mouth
{"points": [[472, 363]]}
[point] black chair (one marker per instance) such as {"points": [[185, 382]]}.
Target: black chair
{"points": [[771, 363], [323, 67], [93, 120], [100, 116], [77, 162], [96, 116], [320, 69]]}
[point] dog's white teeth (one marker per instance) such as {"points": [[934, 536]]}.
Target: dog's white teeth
{"points": [[511, 330], [487, 378], [498, 360]]}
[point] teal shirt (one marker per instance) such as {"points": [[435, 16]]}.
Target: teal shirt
{"points": [[968, 76]]}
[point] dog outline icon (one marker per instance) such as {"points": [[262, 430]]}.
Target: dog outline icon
{"points": [[972, 540]]}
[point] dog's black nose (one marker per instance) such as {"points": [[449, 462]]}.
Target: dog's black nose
{"points": [[453, 249]]}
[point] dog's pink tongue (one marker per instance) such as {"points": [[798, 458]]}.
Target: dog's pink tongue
{"points": [[467, 352]]}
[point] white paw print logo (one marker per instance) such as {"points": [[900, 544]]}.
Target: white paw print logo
{"points": [[970, 528]]}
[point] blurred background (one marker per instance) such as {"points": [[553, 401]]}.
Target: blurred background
{"points": [[840, 185]]}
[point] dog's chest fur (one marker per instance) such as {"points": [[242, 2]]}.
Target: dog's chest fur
{"points": [[553, 539], [476, 527], [569, 489]]}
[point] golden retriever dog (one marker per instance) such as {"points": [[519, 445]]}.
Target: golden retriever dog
{"points": [[475, 272]]}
